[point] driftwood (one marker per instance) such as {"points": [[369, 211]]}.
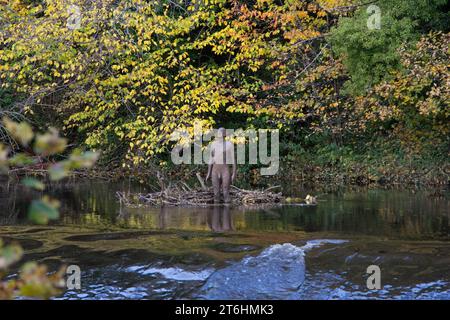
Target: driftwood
{"points": [[183, 195]]}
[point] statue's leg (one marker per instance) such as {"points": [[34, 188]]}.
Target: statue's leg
{"points": [[215, 177], [215, 219], [226, 181], [226, 219]]}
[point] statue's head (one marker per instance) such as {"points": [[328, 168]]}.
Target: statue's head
{"points": [[221, 133]]}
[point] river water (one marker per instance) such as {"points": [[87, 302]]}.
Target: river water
{"points": [[281, 252]]}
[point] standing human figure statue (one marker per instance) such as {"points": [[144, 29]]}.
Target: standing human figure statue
{"points": [[221, 156]]}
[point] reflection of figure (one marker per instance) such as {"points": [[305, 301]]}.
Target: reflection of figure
{"points": [[163, 217], [219, 219], [123, 212], [222, 154]]}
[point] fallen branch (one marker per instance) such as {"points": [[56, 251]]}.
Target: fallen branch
{"points": [[185, 196], [200, 179]]}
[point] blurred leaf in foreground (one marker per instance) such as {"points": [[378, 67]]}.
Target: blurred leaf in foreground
{"points": [[20, 160], [33, 183], [9, 255], [83, 160], [3, 157], [41, 211], [59, 170], [50, 143], [35, 281], [7, 289], [21, 132]]}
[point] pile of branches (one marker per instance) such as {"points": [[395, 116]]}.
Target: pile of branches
{"points": [[185, 196]]}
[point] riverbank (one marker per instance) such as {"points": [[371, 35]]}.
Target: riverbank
{"points": [[385, 173], [388, 174], [319, 167]]}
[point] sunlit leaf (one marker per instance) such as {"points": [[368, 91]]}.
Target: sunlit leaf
{"points": [[4, 151], [50, 143], [22, 131], [36, 283]]}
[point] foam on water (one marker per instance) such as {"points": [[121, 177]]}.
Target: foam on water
{"points": [[318, 242], [278, 272], [173, 273]]}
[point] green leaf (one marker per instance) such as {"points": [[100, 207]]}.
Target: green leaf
{"points": [[58, 171], [50, 143], [22, 132], [83, 160], [4, 151], [41, 211], [33, 183], [20, 159], [9, 255]]}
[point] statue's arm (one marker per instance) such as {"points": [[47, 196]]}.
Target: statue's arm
{"points": [[210, 163], [233, 175]]}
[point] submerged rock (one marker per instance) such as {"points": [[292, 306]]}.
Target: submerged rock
{"points": [[278, 272]]}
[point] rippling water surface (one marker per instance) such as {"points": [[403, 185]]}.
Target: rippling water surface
{"points": [[282, 252]]}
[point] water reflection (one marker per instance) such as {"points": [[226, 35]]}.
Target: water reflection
{"points": [[216, 218], [378, 214], [394, 214], [261, 256], [219, 219]]}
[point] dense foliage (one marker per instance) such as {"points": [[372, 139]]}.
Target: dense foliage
{"points": [[133, 71], [371, 55]]}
